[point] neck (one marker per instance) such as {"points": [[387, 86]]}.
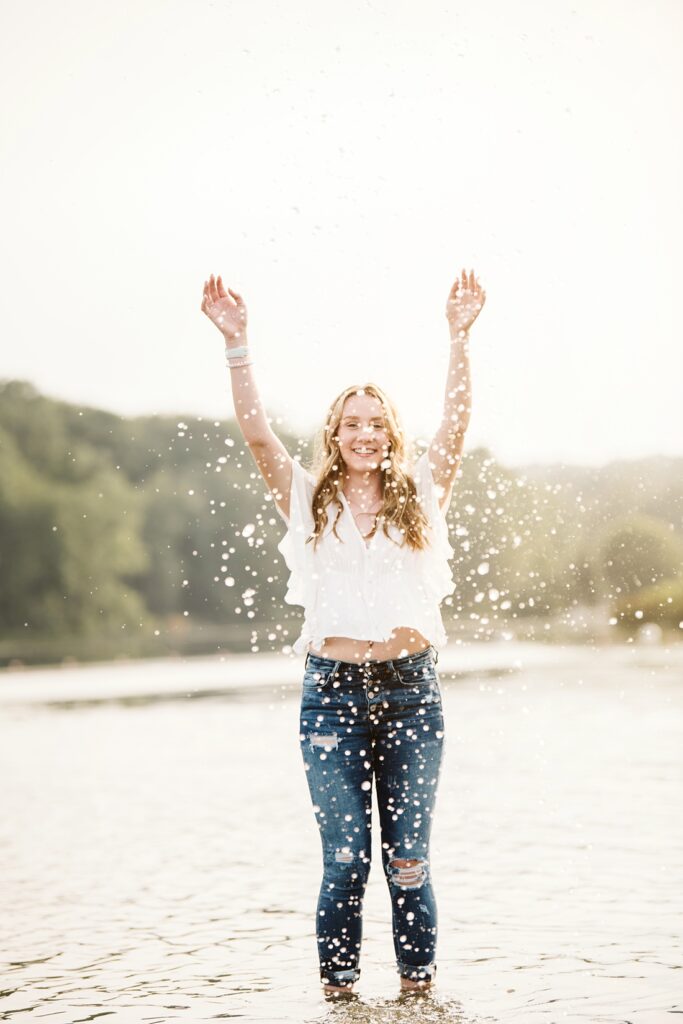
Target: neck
{"points": [[364, 487]]}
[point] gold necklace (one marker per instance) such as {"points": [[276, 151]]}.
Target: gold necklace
{"points": [[366, 536], [366, 512]]}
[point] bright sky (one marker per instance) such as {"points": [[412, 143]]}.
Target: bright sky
{"points": [[339, 165]]}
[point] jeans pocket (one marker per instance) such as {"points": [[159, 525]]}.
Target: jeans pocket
{"points": [[421, 672], [317, 678], [419, 684]]}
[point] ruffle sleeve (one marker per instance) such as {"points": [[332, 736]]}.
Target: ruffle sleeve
{"points": [[440, 576], [293, 548]]}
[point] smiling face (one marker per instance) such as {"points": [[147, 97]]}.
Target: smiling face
{"points": [[361, 435]]}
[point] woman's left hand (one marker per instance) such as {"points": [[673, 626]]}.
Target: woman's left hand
{"points": [[465, 302]]}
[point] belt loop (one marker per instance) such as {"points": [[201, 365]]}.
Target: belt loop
{"points": [[436, 654], [335, 669]]}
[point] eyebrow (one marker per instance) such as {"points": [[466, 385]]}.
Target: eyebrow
{"points": [[345, 418]]}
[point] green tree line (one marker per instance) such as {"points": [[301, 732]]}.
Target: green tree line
{"points": [[152, 534]]}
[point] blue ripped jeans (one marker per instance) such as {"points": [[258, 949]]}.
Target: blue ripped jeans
{"points": [[381, 719]]}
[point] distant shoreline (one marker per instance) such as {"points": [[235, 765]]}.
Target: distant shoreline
{"points": [[242, 675]]}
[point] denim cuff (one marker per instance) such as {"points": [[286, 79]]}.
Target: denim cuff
{"points": [[340, 978], [417, 972]]}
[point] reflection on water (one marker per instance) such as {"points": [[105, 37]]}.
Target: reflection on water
{"points": [[160, 861]]}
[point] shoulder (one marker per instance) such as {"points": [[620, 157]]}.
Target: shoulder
{"points": [[307, 484], [421, 473], [303, 475], [301, 494], [434, 495]]}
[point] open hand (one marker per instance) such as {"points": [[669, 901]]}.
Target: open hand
{"points": [[226, 311], [465, 302]]}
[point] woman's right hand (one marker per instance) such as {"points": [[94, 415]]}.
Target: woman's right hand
{"points": [[226, 311]]}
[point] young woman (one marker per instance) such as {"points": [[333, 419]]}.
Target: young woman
{"points": [[367, 548]]}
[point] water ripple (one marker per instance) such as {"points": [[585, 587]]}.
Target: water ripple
{"points": [[160, 860]]}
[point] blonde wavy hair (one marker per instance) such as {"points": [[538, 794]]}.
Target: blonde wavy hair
{"points": [[401, 505]]}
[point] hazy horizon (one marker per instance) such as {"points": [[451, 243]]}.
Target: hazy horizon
{"points": [[183, 416]]}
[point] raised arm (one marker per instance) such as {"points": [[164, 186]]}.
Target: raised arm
{"points": [[226, 309], [465, 302]]}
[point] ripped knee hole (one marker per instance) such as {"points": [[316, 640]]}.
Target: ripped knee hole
{"points": [[408, 873], [328, 741]]}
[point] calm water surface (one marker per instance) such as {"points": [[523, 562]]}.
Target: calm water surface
{"points": [[160, 861]]}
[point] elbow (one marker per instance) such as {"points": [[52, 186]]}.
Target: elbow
{"points": [[254, 442], [456, 440], [456, 426]]}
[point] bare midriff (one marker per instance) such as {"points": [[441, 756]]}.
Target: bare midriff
{"points": [[404, 640]]}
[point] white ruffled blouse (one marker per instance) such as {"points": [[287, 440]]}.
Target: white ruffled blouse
{"points": [[352, 589]]}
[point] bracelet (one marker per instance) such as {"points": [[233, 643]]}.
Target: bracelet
{"points": [[240, 362], [230, 352]]}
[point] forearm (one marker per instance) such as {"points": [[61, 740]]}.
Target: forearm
{"points": [[458, 397], [249, 410]]}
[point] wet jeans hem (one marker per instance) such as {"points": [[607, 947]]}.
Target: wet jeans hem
{"points": [[342, 979], [417, 972]]}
